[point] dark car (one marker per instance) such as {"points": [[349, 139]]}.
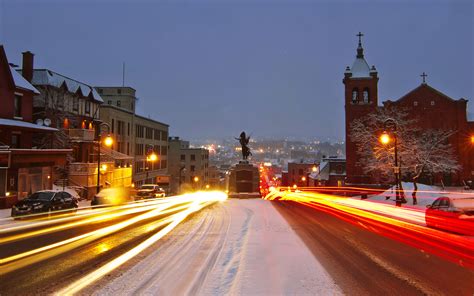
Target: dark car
{"points": [[112, 196], [451, 214], [44, 202], [150, 191]]}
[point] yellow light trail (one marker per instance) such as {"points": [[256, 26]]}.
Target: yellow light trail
{"points": [[202, 200]]}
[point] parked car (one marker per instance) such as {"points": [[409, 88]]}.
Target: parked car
{"points": [[112, 196], [150, 191], [44, 201], [451, 214]]}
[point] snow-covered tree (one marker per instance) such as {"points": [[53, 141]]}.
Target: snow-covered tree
{"points": [[419, 151]]}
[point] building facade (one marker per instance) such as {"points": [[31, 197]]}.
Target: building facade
{"points": [[298, 173], [428, 106], [72, 107], [189, 167], [23, 170], [136, 136]]}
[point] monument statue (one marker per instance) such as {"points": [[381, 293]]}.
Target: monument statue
{"points": [[244, 142]]}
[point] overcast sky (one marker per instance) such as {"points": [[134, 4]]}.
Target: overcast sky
{"points": [[272, 68]]}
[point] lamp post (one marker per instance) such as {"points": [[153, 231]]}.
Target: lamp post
{"points": [[196, 180], [385, 139], [182, 170], [108, 142], [150, 157]]}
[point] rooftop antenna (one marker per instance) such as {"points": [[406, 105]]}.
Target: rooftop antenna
{"points": [[123, 74]]}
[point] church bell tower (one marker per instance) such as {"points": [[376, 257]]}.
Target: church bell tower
{"points": [[361, 98]]}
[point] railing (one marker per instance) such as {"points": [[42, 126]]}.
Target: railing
{"points": [[86, 135]]}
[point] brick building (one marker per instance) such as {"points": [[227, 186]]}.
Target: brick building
{"points": [[24, 169], [431, 108]]}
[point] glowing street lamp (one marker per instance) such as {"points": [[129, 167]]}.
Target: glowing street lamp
{"points": [[472, 139], [385, 138], [108, 141], [151, 157], [196, 179]]}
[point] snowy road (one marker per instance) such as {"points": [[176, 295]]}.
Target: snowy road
{"points": [[241, 247]]}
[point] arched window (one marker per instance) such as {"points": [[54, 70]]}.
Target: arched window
{"points": [[355, 95], [366, 96]]}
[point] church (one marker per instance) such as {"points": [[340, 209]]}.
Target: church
{"points": [[431, 108]]}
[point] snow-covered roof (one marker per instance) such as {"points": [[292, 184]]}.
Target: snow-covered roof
{"points": [[21, 82], [360, 68], [470, 116], [48, 77], [25, 124]]}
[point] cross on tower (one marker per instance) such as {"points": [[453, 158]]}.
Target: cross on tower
{"points": [[360, 38], [424, 75]]}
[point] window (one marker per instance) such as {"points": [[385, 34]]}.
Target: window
{"points": [[183, 157], [149, 133], [17, 106], [164, 150], [100, 90], [112, 126], [300, 172], [88, 107], [193, 157], [131, 106], [366, 95], [120, 127], [193, 168], [355, 95], [109, 102], [164, 164], [75, 104], [432, 103], [139, 149], [139, 131], [119, 103], [15, 141], [157, 135], [119, 91], [415, 103], [128, 128]]}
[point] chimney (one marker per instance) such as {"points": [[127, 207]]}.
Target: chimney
{"points": [[27, 66]]}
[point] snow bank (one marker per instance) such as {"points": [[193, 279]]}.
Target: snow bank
{"points": [[426, 194]]}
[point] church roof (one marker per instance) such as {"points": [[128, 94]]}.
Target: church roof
{"points": [[360, 68], [430, 88]]}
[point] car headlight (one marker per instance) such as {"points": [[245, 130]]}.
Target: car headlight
{"points": [[36, 207]]}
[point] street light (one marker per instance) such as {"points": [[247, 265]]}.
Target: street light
{"points": [[108, 141], [150, 157], [385, 139], [196, 180]]}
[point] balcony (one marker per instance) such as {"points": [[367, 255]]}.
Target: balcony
{"points": [[81, 135]]}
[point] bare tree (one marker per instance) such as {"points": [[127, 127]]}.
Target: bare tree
{"points": [[420, 151]]}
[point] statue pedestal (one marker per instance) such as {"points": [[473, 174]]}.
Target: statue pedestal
{"points": [[244, 181]]}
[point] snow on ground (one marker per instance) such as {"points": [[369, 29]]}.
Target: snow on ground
{"points": [[426, 194], [242, 247]]}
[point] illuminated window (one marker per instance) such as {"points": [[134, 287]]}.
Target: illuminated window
{"points": [[415, 103]]}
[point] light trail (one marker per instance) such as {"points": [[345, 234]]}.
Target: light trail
{"points": [[83, 282], [174, 206], [402, 224]]}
